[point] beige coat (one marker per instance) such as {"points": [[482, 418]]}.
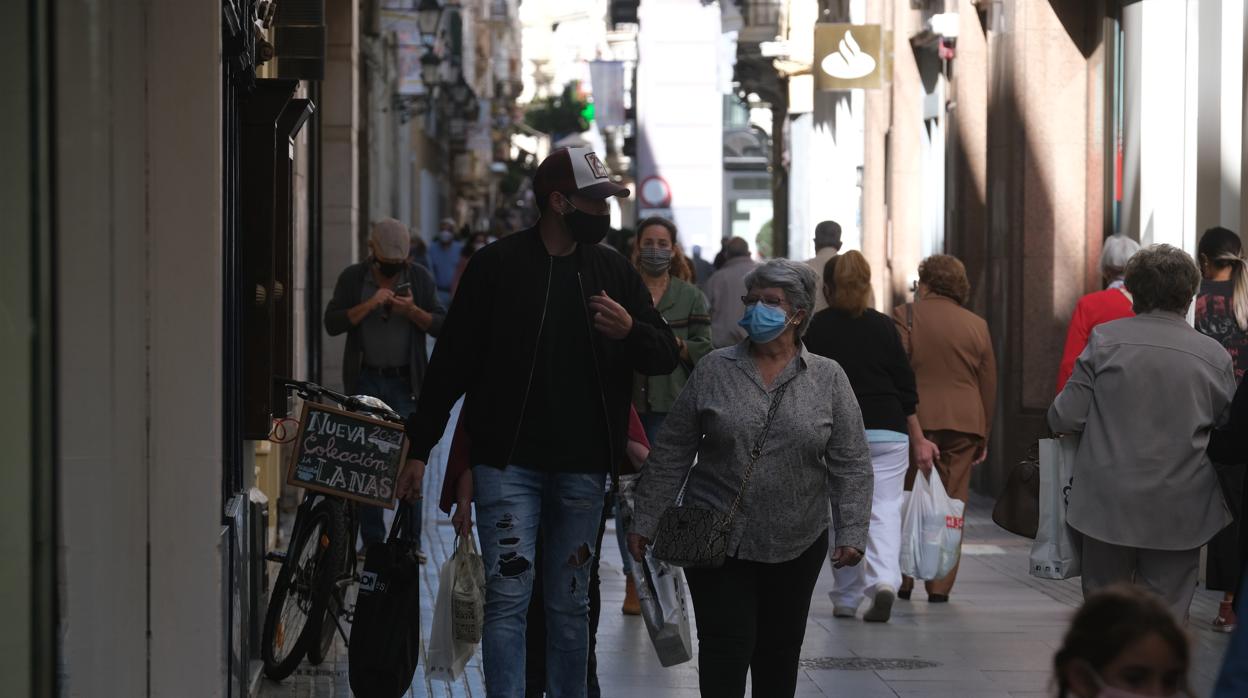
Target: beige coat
{"points": [[954, 365], [1145, 394]]}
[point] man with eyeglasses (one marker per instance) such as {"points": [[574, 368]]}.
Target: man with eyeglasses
{"points": [[724, 293]]}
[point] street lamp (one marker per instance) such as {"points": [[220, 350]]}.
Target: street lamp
{"points": [[428, 13], [459, 91]]}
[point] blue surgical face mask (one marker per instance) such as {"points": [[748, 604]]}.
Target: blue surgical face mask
{"points": [[763, 322]]}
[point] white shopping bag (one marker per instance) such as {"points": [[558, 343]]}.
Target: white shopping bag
{"points": [[931, 530], [468, 594], [661, 591], [446, 657], [1055, 554]]}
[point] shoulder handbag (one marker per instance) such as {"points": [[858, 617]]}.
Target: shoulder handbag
{"points": [[1018, 506], [696, 536], [385, 632]]}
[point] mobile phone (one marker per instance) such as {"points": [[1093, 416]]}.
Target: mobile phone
{"points": [[403, 289]]}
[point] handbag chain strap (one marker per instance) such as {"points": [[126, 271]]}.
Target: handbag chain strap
{"points": [[755, 452]]}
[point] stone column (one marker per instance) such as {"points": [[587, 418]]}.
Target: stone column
{"points": [[340, 131]]}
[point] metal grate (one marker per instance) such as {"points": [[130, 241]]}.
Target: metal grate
{"points": [[865, 663]]}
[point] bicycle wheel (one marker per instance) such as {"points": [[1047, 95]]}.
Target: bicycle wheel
{"points": [[332, 568], [297, 598]]}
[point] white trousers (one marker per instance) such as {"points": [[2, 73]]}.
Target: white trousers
{"points": [[882, 563]]}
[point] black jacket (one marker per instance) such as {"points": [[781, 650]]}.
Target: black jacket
{"points": [[869, 349], [488, 345], [347, 295]]}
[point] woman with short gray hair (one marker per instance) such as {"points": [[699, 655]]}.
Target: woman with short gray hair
{"points": [[1113, 303], [777, 435], [1145, 395]]}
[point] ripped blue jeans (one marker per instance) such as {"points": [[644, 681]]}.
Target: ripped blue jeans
{"points": [[512, 504]]}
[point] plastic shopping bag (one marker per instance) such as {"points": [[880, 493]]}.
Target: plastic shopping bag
{"points": [[468, 593], [447, 656], [661, 591], [931, 530], [1055, 554]]}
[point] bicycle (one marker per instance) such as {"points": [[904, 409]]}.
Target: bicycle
{"points": [[318, 568]]}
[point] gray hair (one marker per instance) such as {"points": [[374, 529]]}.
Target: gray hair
{"points": [[1117, 251], [797, 280], [1162, 277]]}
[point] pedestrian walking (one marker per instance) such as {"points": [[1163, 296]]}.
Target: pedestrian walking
{"points": [[956, 373], [1222, 313], [419, 252], [724, 292], [475, 243], [702, 269], [866, 345], [666, 272], [386, 305], [543, 337], [827, 246], [1123, 642], [1145, 395], [1113, 303], [751, 612], [444, 256]]}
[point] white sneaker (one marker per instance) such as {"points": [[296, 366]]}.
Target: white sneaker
{"points": [[839, 611], [881, 605]]}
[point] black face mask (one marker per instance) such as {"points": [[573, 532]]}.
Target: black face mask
{"points": [[389, 269], [586, 227]]}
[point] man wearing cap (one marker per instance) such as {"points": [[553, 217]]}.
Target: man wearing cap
{"points": [[386, 305], [827, 246], [543, 336], [444, 256]]}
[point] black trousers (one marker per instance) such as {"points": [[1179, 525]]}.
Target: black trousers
{"points": [[1224, 562], [752, 617]]}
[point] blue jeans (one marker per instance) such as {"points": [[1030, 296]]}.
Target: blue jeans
{"points": [[397, 393], [511, 505]]}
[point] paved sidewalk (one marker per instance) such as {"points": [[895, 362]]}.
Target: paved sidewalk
{"points": [[995, 638]]}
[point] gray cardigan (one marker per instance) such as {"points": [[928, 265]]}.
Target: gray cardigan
{"points": [[347, 295], [816, 453], [1146, 393]]}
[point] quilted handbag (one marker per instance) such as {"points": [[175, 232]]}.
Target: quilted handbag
{"points": [[698, 536]]}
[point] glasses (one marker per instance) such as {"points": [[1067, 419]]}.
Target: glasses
{"points": [[769, 302]]}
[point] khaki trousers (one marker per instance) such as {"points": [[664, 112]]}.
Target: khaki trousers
{"points": [[1171, 574], [957, 452]]}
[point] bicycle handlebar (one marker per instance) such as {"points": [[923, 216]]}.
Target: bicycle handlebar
{"points": [[307, 390]]}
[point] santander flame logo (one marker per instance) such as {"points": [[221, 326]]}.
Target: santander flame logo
{"points": [[849, 62]]}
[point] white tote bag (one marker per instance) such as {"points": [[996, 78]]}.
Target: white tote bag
{"points": [[1055, 554], [931, 530], [447, 657], [661, 591]]}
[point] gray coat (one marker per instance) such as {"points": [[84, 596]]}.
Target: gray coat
{"points": [[723, 296], [1146, 392], [816, 453]]}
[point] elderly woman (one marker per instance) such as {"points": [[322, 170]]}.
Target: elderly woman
{"points": [[1146, 393], [751, 611], [1113, 303], [956, 373], [865, 344]]}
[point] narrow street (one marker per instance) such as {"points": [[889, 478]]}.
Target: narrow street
{"points": [[995, 639]]}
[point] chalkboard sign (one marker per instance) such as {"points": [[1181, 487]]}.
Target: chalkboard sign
{"points": [[347, 455]]}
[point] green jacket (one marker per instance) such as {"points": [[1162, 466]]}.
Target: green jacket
{"points": [[684, 308]]}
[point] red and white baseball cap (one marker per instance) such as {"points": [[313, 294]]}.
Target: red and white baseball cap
{"points": [[575, 171]]}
